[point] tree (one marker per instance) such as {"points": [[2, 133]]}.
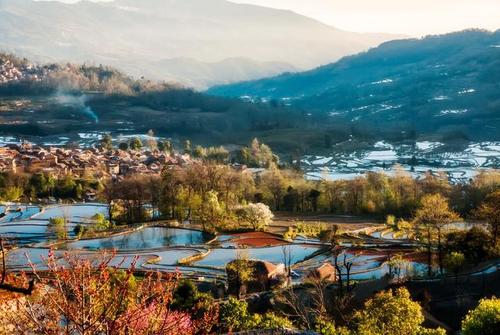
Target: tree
{"points": [[217, 154], [313, 198], [286, 250], [435, 183], [484, 319], [269, 320], [234, 316], [107, 142], [333, 190], [87, 296], [397, 265], [258, 216], [257, 155], [79, 191], [188, 299], [161, 146], [470, 243], [185, 296], [390, 220], [100, 222], [327, 327], [123, 146], [168, 148], [431, 331], [3, 255], [12, 193], [489, 211], [274, 182], [65, 187], [434, 213], [131, 194], [390, 313], [454, 263], [239, 271], [344, 294], [212, 212], [187, 147], [42, 184], [58, 226], [354, 194], [135, 144], [79, 230], [199, 152], [151, 140]]}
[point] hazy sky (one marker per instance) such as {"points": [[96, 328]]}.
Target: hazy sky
{"points": [[410, 17]]}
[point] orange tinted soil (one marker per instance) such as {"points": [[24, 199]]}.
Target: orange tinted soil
{"points": [[284, 220], [257, 239]]}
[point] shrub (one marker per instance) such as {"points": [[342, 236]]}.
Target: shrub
{"points": [[390, 220], [484, 319], [234, 316]]}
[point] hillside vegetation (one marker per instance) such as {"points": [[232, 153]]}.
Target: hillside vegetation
{"points": [[443, 86], [63, 99]]}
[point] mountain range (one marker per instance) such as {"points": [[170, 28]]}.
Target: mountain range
{"points": [[445, 85], [196, 42]]}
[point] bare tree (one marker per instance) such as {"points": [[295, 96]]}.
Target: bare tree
{"points": [[343, 294], [4, 266], [287, 261], [311, 305], [299, 307], [12, 287]]}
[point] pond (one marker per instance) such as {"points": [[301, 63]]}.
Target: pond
{"points": [[161, 248], [460, 165], [146, 238], [171, 257], [75, 213], [32, 231], [20, 259], [220, 257], [17, 213]]}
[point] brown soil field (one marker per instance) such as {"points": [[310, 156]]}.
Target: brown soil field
{"points": [[283, 220], [258, 239]]}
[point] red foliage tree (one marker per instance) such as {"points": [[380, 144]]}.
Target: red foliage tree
{"points": [[87, 296]]}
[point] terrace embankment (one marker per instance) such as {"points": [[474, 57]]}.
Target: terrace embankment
{"points": [[284, 220]]}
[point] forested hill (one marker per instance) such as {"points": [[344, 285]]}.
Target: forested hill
{"points": [[64, 100], [438, 83]]}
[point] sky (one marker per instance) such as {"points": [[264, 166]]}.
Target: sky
{"points": [[408, 17]]}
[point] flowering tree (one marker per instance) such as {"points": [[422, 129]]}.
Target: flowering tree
{"points": [[89, 296], [258, 216]]}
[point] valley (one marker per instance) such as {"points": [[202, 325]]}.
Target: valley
{"points": [[200, 167], [166, 246]]}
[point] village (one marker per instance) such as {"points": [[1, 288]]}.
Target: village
{"points": [[11, 71], [93, 162], [242, 167]]}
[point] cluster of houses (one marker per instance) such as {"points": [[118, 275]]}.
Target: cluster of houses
{"points": [[10, 71], [94, 162], [267, 276]]}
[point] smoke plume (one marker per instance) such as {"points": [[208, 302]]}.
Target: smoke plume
{"points": [[77, 102]]}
